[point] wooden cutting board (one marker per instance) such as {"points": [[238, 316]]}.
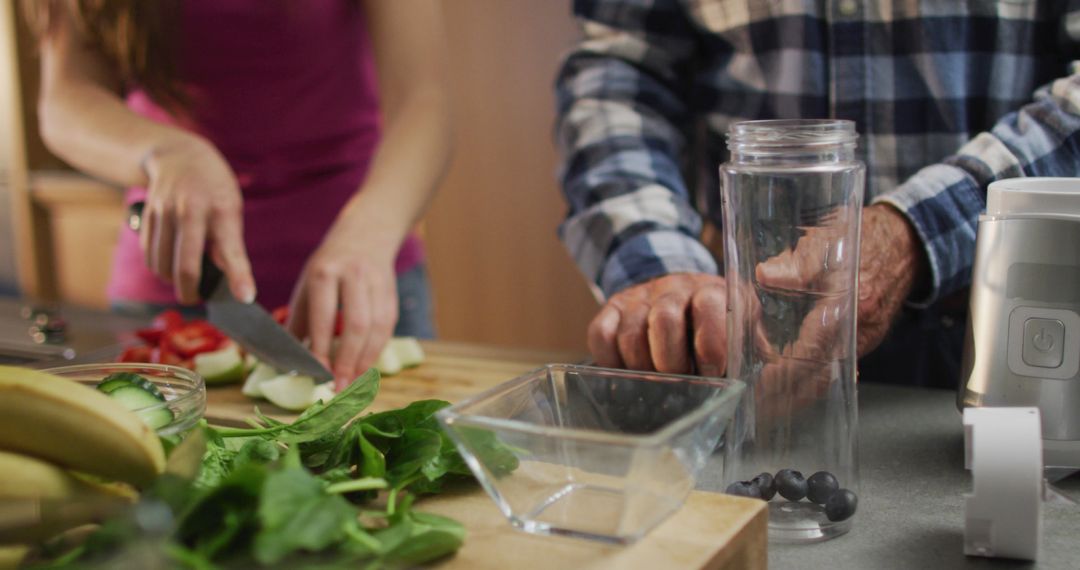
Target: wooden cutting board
{"points": [[710, 531]]}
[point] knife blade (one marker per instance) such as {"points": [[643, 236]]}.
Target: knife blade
{"points": [[248, 324]]}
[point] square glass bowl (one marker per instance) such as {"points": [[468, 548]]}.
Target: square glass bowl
{"points": [[593, 452], [184, 391]]}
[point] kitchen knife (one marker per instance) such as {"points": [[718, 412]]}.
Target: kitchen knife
{"points": [[247, 323]]}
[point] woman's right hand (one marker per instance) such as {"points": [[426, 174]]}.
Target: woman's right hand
{"points": [[193, 201]]}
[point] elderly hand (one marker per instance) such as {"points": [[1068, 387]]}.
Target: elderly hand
{"points": [[889, 265], [654, 325]]}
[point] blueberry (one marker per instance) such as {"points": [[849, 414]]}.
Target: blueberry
{"points": [[790, 484], [820, 486], [841, 505], [744, 489], [766, 484]]}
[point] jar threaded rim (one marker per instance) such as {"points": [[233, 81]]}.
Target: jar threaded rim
{"points": [[791, 132]]}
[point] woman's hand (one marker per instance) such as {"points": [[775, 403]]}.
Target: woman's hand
{"points": [[194, 202], [352, 271]]}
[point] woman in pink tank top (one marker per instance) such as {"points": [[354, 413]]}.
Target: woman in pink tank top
{"points": [[257, 133]]}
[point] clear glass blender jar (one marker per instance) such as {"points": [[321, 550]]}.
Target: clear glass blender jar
{"points": [[792, 200]]}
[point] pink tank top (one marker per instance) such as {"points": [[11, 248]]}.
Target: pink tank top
{"points": [[287, 92]]}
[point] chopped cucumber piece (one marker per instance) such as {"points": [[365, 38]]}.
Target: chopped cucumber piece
{"points": [[398, 354], [290, 391], [222, 366], [138, 400], [113, 382], [324, 392], [388, 362], [260, 374], [250, 362], [408, 350]]}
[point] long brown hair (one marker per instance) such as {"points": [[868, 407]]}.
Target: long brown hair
{"points": [[135, 36]]}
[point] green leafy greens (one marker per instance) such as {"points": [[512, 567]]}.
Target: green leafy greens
{"points": [[301, 494]]}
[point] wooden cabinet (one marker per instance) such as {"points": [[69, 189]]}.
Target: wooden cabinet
{"points": [[500, 275]]}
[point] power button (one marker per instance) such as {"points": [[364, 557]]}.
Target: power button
{"points": [[1043, 342]]}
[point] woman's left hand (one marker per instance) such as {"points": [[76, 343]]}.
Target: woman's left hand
{"points": [[349, 273]]}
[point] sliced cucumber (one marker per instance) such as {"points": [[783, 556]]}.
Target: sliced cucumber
{"points": [[290, 391], [408, 350], [222, 366], [137, 400], [388, 362], [119, 380], [324, 392], [260, 374], [398, 354]]}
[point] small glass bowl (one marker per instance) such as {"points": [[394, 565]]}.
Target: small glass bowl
{"points": [[593, 452], [184, 391]]}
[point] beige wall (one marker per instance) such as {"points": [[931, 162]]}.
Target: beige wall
{"points": [[499, 272]]}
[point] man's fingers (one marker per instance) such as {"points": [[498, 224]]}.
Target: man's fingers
{"points": [[796, 268], [601, 339], [633, 339], [708, 311], [667, 335]]}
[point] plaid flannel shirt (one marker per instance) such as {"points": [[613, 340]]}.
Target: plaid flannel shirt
{"points": [[947, 96]]}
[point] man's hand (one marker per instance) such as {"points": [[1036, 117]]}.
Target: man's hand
{"points": [[891, 263], [651, 326]]}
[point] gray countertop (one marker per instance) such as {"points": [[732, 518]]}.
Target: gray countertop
{"points": [[911, 505]]}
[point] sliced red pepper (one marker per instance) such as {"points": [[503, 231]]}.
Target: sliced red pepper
{"points": [[166, 320], [163, 355], [136, 354], [151, 335], [191, 338], [281, 314]]}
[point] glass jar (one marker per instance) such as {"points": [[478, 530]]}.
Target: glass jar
{"points": [[792, 202]]}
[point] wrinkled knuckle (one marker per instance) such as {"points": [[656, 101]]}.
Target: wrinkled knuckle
{"points": [[665, 317]]}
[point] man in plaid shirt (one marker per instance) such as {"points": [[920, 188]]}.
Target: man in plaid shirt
{"points": [[947, 96]]}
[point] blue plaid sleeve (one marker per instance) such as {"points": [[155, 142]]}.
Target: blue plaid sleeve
{"points": [[943, 201], [621, 128]]}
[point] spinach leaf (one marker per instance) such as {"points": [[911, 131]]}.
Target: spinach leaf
{"points": [[297, 514], [323, 419], [372, 461], [256, 450], [217, 461], [320, 420], [414, 538], [419, 414], [223, 519], [409, 454]]}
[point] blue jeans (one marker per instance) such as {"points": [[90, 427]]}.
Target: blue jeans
{"points": [[414, 306]]}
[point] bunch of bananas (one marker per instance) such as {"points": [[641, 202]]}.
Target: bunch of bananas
{"points": [[69, 455]]}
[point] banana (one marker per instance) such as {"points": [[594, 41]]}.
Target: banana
{"points": [[39, 500], [12, 556], [75, 426]]}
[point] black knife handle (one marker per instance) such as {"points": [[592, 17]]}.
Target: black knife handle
{"points": [[209, 275]]}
